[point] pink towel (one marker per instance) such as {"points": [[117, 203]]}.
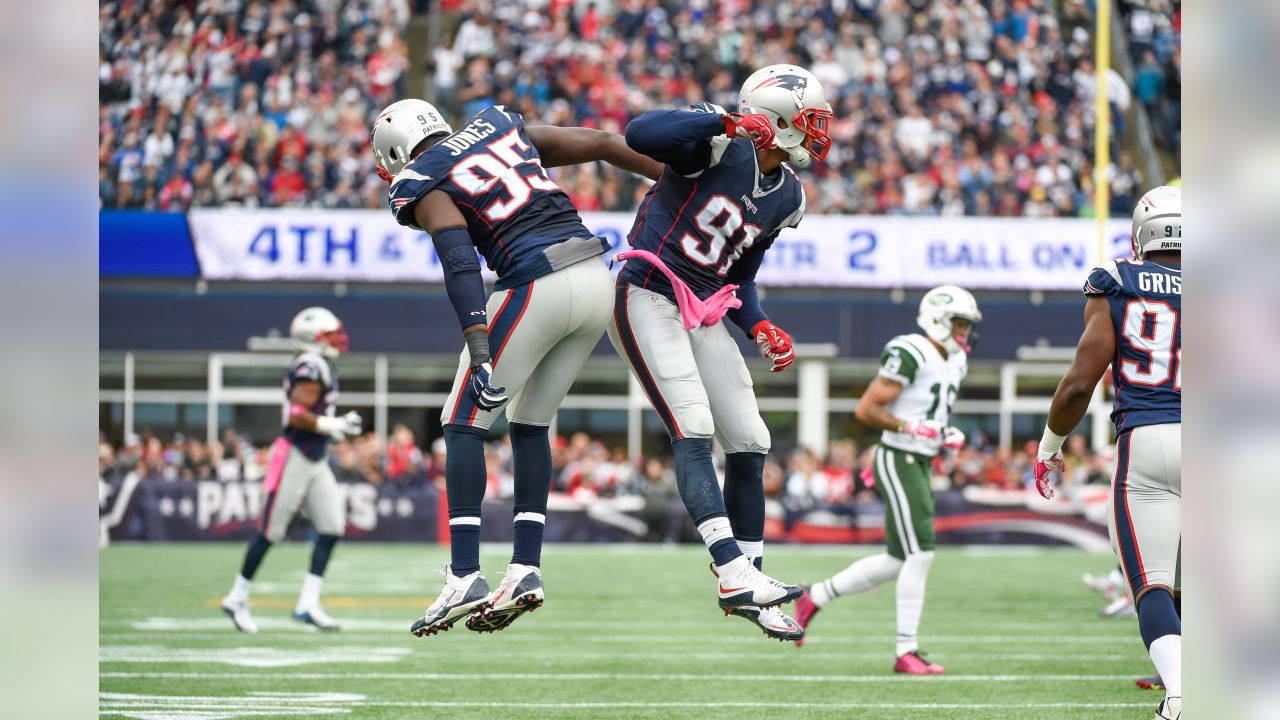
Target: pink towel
{"points": [[693, 311]]}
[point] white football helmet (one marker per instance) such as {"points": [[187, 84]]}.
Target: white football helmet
{"points": [[398, 130], [320, 331], [793, 99], [1157, 221], [939, 306]]}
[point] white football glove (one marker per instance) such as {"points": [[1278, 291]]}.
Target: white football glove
{"points": [[339, 428], [953, 438]]}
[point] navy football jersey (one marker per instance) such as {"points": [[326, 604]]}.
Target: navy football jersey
{"points": [[1146, 312], [313, 367], [703, 224], [515, 213]]}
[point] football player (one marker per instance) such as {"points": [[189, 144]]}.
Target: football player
{"points": [[299, 468], [484, 187], [1133, 322], [700, 234], [910, 400]]}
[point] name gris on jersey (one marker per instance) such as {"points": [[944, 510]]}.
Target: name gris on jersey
{"points": [[1160, 283], [478, 130]]}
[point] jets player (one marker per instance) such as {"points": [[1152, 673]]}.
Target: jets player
{"points": [[484, 187], [910, 400], [299, 471], [1133, 322], [701, 232]]}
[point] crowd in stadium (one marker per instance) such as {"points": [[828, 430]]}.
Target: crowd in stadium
{"points": [[978, 107], [585, 469]]}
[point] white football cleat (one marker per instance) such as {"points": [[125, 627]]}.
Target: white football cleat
{"points": [[772, 621], [238, 611], [1120, 607], [745, 585], [1170, 709], [315, 615], [460, 597], [519, 592]]}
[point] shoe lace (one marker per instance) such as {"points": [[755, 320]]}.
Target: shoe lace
{"points": [[446, 593]]}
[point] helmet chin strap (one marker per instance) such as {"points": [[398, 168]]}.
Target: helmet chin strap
{"points": [[799, 156]]}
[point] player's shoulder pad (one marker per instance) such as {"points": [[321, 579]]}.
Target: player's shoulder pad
{"points": [[308, 366], [901, 360], [1104, 280], [423, 174], [507, 114], [708, 108]]}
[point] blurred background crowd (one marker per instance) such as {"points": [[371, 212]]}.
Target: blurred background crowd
{"points": [[587, 470], [942, 107]]}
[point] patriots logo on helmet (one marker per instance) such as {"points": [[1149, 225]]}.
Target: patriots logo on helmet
{"points": [[795, 83]]}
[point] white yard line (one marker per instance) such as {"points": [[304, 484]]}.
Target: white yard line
{"points": [[780, 654], [628, 677], [122, 706]]}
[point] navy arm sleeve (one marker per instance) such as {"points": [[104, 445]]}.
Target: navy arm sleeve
{"points": [[679, 138], [461, 275], [743, 274]]}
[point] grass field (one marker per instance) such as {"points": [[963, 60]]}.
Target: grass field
{"points": [[627, 632]]}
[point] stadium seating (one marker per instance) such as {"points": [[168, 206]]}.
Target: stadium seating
{"points": [[978, 107]]}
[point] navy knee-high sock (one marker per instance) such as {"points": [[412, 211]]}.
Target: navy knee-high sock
{"points": [[700, 491], [258, 548], [464, 479], [532, 452], [1157, 616], [744, 501], [321, 553]]}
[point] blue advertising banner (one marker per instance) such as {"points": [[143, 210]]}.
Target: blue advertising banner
{"points": [[145, 244]]}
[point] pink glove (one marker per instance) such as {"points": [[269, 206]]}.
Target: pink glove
{"points": [[953, 438], [868, 477], [924, 429], [1042, 467]]}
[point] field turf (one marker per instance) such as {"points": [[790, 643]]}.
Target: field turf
{"points": [[627, 632]]}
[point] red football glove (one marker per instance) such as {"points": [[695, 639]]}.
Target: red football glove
{"points": [[775, 343], [1045, 465], [755, 127]]}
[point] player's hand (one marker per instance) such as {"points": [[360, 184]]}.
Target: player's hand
{"points": [[352, 424], [775, 343], [340, 428], [953, 438], [1044, 465], [486, 396], [754, 127], [927, 430]]}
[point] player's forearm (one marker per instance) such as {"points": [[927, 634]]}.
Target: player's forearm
{"points": [[668, 135], [877, 417], [572, 146], [301, 418], [751, 313], [1070, 402], [462, 280]]}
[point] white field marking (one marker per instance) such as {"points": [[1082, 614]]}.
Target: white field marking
{"points": [[654, 677], [258, 704], [268, 622], [262, 657], [376, 627], [278, 618], [532, 635], [749, 705], [481, 654]]}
